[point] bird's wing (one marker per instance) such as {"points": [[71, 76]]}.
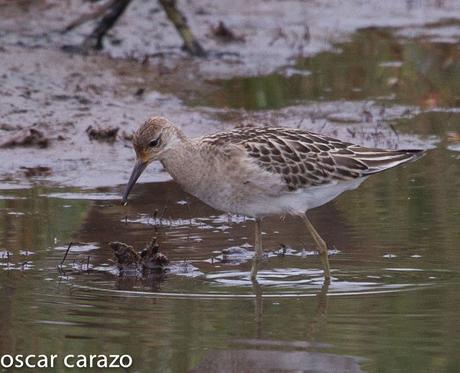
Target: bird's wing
{"points": [[305, 159]]}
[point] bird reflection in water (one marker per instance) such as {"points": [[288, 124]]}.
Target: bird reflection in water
{"points": [[262, 355]]}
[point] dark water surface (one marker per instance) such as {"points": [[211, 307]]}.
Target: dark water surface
{"points": [[393, 302]]}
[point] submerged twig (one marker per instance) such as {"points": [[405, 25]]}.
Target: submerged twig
{"points": [[66, 253]]}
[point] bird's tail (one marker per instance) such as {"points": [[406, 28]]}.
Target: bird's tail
{"points": [[378, 160]]}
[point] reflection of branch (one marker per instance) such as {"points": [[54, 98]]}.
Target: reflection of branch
{"points": [[113, 9], [320, 314], [116, 9], [151, 283], [89, 16], [179, 21]]}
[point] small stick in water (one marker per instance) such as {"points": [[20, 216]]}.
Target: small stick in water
{"points": [[66, 253]]}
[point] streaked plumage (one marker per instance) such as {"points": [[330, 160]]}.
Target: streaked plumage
{"points": [[261, 171], [306, 159]]}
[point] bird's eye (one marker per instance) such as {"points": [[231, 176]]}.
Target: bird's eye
{"points": [[154, 143]]}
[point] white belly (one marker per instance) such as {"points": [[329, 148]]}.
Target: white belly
{"points": [[283, 203]]}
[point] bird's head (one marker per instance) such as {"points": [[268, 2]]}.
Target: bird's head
{"points": [[151, 142]]}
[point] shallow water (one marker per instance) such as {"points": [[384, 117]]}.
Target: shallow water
{"points": [[392, 305], [375, 64]]}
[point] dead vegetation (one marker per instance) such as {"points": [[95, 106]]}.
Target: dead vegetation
{"points": [[36, 171], [108, 134], [222, 33], [26, 137], [147, 260]]}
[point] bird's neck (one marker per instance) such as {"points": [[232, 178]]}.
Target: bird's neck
{"points": [[183, 162]]}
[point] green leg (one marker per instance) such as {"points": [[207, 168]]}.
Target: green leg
{"points": [[258, 249], [322, 248]]}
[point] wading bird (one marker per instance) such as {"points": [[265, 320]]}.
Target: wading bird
{"points": [[260, 172]]}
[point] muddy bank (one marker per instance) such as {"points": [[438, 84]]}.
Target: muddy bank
{"points": [[61, 101], [268, 34], [61, 97], [65, 101]]}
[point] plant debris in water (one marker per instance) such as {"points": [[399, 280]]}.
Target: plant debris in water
{"points": [[224, 34], [26, 137], [36, 171], [102, 134], [148, 260]]}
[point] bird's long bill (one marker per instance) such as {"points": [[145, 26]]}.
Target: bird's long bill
{"points": [[139, 167]]}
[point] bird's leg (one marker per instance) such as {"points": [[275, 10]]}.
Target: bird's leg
{"points": [[320, 314], [258, 249], [258, 306], [322, 248]]}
